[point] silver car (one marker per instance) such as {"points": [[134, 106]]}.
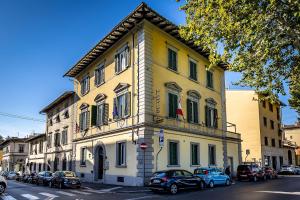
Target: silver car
{"points": [[3, 184]]}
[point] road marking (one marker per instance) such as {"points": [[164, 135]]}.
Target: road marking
{"points": [[144, 197], [280, 192], [80, 192], [108, 190], [66, 193], [48, 195], [29, 196], [8, 197]]}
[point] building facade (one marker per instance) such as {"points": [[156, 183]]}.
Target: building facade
{"points": [[15, 152], [259, 122], [143, 84], [59, 131], [36, 153], [292, 134]]}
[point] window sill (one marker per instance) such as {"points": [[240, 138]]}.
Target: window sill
{"points": [[121, 166], [195, 81], [117, 73], [98, 85], [120, 119], [195, 165], [172, 70], [210, 88], [173, 166], [85, 93]]}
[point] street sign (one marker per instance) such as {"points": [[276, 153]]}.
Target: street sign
{"points": [[143, 146], [161, 138]]}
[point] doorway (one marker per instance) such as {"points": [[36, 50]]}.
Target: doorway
{"points": [[274, 162], [99, 163], [230, 162]]}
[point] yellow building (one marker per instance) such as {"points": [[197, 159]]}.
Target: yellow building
{"points": [[259, 122], [130, 88], [292, 134]]}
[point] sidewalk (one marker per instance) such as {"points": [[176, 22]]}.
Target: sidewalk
{"points": [[114, 188]]}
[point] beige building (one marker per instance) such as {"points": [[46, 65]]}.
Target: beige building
{"points": [[36, 153], [292, 133], [259, 123], [132, 88], [59, 131], [15, 152]]}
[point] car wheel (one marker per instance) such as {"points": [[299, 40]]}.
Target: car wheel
{"points": [[227, 183], [2, 188], [211, 184], [201, 185], [173, 189], [254, 178]]}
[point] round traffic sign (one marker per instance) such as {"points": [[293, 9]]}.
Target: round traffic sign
{"points": [[143, 146]]}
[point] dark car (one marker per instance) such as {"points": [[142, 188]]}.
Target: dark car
{"points": [[270, 172], [174, 180], [32, 178], [63, 179], [250, 172], [25, 177], [43, 178]]}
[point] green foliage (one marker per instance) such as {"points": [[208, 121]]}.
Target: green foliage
{"points": [[259, 38]]}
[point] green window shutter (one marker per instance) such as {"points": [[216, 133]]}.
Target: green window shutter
{"points": [[215, 118], [127, 52], [170, 99], [94, 116], [115, 108], [96, 81], [175, 104], [80, 122], [189, 110], [116, 62], [206, 116], [169, 58], [87, 120], [174, 60], [196, 115], [127, 102], [105, 114]]}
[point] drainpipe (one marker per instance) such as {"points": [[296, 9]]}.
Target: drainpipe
{"points": [[133, 91]]}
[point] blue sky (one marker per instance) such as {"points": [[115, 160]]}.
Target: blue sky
{"points": [[41, 40]]}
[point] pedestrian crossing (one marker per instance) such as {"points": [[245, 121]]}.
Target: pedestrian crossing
{"points": [[50, 195]]}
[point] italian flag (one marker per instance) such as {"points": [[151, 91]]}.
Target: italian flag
{"points": [[179, 109]]}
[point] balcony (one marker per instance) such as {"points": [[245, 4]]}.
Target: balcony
{"points": [[200, 129], [288, 143]]}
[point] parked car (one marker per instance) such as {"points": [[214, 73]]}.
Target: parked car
{"points": [[3, 185], [63, 179], [18, 177], [174, 180], [32, 178], [297, 170], [270, 172], [212, 176], [11, 175], [44, 178], [4, 174], [25, 177], [287, 169], [250, 172]]}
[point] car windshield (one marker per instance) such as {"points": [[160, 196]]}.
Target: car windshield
{"points": [[159, 174], [69, 174], [201, 171]]}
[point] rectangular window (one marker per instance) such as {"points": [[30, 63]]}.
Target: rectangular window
{"points": [[280, 160], [265, 122], [273, 142], [122, 106], [280, 144], [99, 75], [41, 146], [211, 154], [173, 153], [195, 152], [272, 124], [193, 70], [64, 136], [211, 117], [121, 154], [102, 114], [264, 103], [57, 139], [83, 156], [172, 59], [266, 141], [49, 140], [192, 111], [173, 105], [278, 113], [122, 59], [267, 160], [270, 106], [84, 120], [85, 85], [209, 79], [21, 148]]}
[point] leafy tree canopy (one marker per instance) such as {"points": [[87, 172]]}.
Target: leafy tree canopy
{"points": [[259, 38]]}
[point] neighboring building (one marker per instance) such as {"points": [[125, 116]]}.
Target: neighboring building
{"points": [[59, 131], [36, 153], [15, 152], [292, 133], [130, 86], [259, 122]]}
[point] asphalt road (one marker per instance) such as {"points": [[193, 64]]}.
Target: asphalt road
{"points": [[286, 188]]}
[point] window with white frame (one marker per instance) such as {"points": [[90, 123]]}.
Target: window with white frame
{"points": [[209, 79], [57, 139], [211, 154], [84, 119], [64, 136], [83, 156], [211, 114], [21, 148], [121, 153], [122, 105], [193, 69], [192, 110], [85, 85], [102, 114], [99, 74], [41, 146], [172, 59], [122, 59]]}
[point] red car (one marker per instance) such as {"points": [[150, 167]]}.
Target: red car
{"points": [[270, 172], [251, 173]]}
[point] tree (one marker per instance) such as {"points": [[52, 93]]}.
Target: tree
{"points": [[259, 38]]}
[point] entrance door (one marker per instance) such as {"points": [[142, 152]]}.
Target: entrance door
{"points": [[100, 163], [274, 162], [230, 162]]}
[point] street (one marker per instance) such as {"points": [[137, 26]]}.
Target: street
{"points": [[283, 188]]}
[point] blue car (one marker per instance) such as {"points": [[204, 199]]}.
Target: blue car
{"points": [[212, 176]]}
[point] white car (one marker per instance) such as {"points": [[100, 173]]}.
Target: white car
{"points": [[3, 184], [11, 175], [287, 169]]}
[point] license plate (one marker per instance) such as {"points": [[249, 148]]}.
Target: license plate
{"points": [[243, 175], [156, 181], [74, 182]]}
